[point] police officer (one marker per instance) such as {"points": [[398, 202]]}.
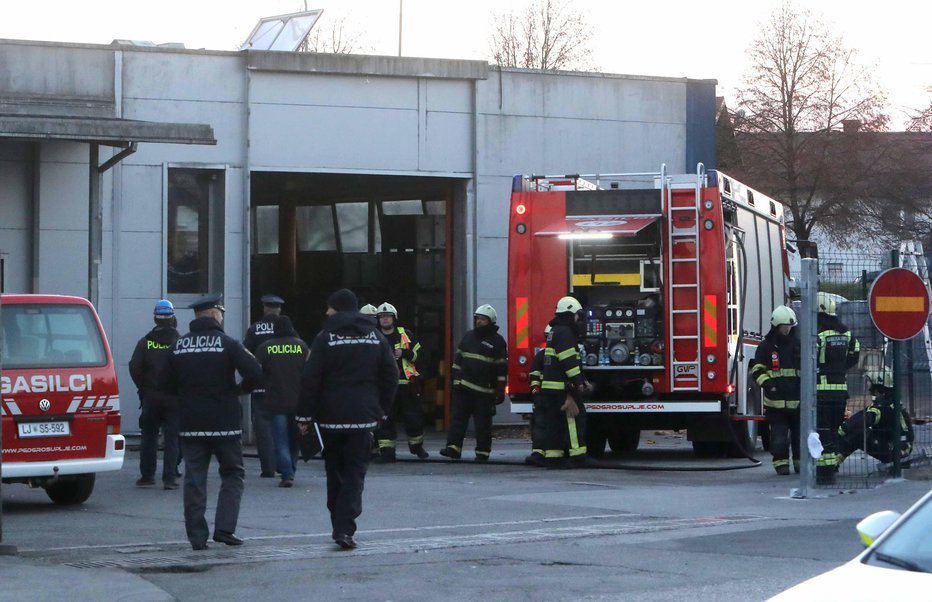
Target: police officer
{"points": [[871, 429], [282, 358], [561, 389], [201, 371], [407, 405], [536, 458], [776, 369], [348, 386], [257, 333], [480, 369], [837, 352], [159, 410]]}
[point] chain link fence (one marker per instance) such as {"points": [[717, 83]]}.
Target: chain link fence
{"points": [[848, 277]]}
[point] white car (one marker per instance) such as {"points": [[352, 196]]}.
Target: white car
{"points": [[897, 565]]}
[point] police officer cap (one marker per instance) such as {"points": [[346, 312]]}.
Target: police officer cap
{"points": [[210, 301], [272, 300]]}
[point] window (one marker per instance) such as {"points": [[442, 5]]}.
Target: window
{"points": [[266, 230], [354, 227], [195, 230], [402, 207], [836, 270], [51, 336], [315, 228]]}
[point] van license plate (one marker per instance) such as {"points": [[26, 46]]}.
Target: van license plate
{"points": [[44, 429]]}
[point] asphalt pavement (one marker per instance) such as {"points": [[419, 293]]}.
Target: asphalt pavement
{"points": [[659, 524]]}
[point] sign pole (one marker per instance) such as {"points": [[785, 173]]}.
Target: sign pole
{"points": [[897, 391], [809, 284]]}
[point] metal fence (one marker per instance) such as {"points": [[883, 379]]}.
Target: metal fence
{"points": [[849, 276]]}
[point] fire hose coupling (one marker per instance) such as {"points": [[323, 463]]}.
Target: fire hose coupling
{"points": [[647, 388]]}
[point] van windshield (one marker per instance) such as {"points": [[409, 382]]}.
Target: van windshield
{"points": [[50, 336]]}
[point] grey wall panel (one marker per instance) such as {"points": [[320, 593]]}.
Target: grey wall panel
{"points": [[333, 90], [63, 262], [15, 246], [183, 76], [225, 118], [302, 138], [494, 205], [449, 96], [492, 281], [139, 265], [141, 202], [234, 211], [448, 143], [64, 196]]}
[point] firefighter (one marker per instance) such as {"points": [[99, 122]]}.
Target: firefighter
{"points": [[776, 369], [871, 429], [480, 369], [838, 351], [370, 311], [259, 332], [562, 385], [537, 364], [407, 405]]}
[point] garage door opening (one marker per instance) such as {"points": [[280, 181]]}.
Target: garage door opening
{"points": [[384, 237]]}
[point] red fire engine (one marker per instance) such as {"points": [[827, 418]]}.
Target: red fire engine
{"points": [[677, 275]]}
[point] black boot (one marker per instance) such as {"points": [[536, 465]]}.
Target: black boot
{"points": [[451, 452], [386, 456], [419, 451]]}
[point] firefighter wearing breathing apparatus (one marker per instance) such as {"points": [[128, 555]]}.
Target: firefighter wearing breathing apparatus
{"points": [[776, 369], [838, 351], [562, 386], [407, 404], [480, 369]]}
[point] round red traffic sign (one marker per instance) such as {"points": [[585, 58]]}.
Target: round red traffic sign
{"points": [[899, 304]]}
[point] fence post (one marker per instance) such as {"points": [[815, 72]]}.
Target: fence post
{"points": [[895, 430], [809, 285]]}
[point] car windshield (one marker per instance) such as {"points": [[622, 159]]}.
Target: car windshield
{"points": [[910, 546], [50, 336]]}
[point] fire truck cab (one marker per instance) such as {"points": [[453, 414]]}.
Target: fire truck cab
{"points": [[60, 401], [677, 275]]}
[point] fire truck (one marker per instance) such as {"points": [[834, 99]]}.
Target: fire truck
{"points": [[677, 275]]}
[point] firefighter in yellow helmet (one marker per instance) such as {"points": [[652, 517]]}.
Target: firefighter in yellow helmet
{"points": [[480, 369], [407, 405], [562, 385], [776, 369], [837, 352]]}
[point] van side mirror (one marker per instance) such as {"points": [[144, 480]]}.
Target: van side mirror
{"points": [[875, 525]]}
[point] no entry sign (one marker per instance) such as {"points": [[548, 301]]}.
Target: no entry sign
{"points": [[899, 304]]}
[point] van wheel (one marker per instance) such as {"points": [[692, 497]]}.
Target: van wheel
{"points": [[69, 491]]}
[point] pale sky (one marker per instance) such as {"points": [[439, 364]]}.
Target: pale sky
{"points": [[703, 39]]}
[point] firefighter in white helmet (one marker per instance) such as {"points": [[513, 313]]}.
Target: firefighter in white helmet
{"points": [[837, 352], [776, 369], [371, 311], [480, 370], [407, 405], [562, 385]]}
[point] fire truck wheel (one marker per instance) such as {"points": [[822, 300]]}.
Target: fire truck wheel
{"points": [[624, 441], [709, 449], [69, 491]]}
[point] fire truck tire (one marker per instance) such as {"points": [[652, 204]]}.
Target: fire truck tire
{"points": [[709, 449], [69, 491], [624, 441]]}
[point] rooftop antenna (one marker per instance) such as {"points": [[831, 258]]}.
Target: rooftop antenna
{"points": [[282, 32]]}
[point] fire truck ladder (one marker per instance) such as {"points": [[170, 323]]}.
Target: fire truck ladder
{"points": [[683, 279]]}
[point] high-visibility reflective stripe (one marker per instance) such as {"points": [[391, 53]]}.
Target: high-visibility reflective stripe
{"points": [[521, 322], [777, 463], [469, 385], [557, 385], [456, 367], [781, 404], [710, 314], [386, 444], [553, 453], [418, 440], [831, 387], [481, 358], [574, 436], [574, 371], [566, 353]]}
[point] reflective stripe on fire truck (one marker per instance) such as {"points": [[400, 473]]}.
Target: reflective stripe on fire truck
{"points": [[710, 307], [521, 322]]}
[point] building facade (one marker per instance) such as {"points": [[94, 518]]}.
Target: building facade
{"points": [[294, 173]]}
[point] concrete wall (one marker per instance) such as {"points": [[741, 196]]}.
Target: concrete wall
{"points": [[309, 113]]}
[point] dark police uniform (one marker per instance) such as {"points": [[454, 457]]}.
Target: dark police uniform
{"points": [[159, 409], [258, 332], [776, 369], [348, 385], [201, 371], [480, 369]]}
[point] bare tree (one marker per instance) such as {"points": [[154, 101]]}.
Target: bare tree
{"points": [[803, 89], [921, 121], [332, 36], [548, 35]]}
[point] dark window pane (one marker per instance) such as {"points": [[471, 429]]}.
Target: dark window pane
{"points": [[47, 336], [402, 207], [353, 219], [267, 230], [315, 228], [188, 227]]}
